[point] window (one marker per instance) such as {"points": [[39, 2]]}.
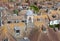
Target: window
{"points": [[23, 21], [9, 22], [54, 16], [5, 39], [38, 19], [43, 29], [35, 3], [17, 31], [17, 21]]}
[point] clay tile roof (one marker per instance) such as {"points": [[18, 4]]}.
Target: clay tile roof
{"points": [[38, 24], [15, 17], [35, 17], [44, 16], [24, 4], [12, 25], [23, 12], [53, 12]]}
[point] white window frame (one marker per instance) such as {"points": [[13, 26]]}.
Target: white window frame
{"points": [[17, 29], [17, 21]]}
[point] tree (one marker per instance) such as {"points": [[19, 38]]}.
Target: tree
{"points": [[15, 11], [11, 0], [35, 8]]}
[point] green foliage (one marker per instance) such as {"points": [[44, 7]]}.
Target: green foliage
{"points": [[15, 11], [57, 25], [35, 8], [52, 26], [12, 0]]}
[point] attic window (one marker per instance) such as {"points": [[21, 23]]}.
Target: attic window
{"points": [[6, 39], [17, 30]]}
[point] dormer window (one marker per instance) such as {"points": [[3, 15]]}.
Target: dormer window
{"points": [[17, 30]]}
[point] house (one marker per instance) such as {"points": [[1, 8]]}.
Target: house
{"points": [[53, 15], [4, 35]]}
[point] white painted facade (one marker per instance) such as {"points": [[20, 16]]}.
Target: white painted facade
{"points": [[54, 22]]}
